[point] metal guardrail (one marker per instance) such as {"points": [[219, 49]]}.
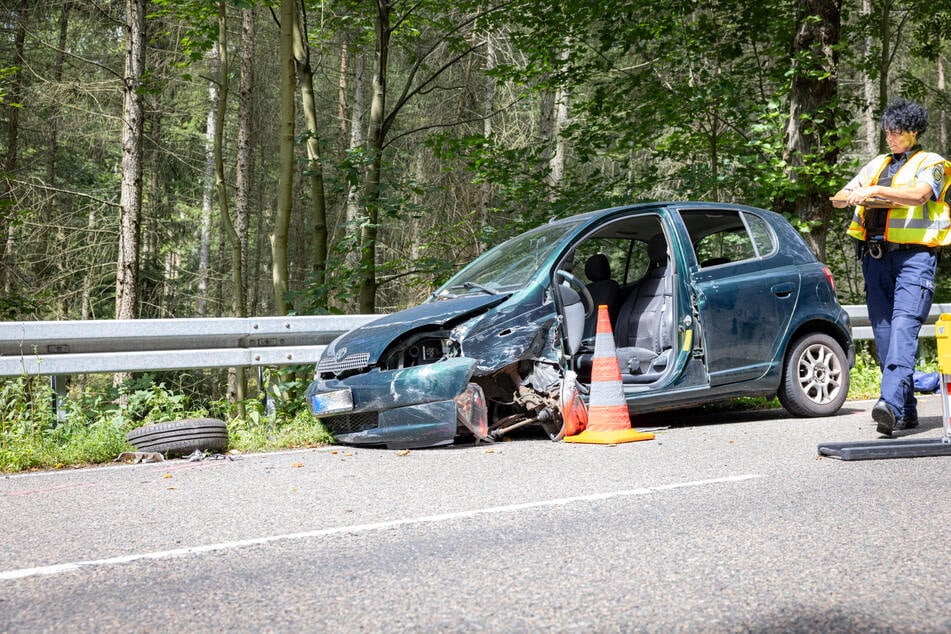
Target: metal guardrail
{"points": [[862, 327], [84, 347], [51, 348]]}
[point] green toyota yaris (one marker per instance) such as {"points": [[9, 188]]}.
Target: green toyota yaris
{"points": [[707, 301]]}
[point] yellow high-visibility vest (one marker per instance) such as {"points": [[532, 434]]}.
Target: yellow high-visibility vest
{"points": [[928, 224]]}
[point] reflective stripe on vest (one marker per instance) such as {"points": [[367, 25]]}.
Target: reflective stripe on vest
{"points": [[926, 224]]}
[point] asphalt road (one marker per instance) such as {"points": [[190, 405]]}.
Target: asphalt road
{"points": [[728, 523]]}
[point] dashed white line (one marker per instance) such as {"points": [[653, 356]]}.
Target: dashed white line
{"points": [[57, 569]]}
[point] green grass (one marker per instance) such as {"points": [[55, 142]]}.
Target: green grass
{"points": [[92, 426]]}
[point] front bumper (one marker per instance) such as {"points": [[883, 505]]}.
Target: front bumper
{"points": [[407, 408]]}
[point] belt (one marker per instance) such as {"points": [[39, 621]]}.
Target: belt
{"points": [[878, 248]]}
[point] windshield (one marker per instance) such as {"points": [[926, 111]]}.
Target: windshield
{"points": [[510, 265]]}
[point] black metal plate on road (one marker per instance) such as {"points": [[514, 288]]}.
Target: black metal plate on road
{"points": [[878, 449]]}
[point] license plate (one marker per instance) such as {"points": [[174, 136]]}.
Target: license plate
{"points": [[332, 402]]}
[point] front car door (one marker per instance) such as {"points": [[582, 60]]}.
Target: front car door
{"points": [[624, 242]]}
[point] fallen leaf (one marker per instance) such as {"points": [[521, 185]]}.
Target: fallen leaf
{"points": [[171, 488], [167, 476], [402, 452], [297, 465], [489, 451]]}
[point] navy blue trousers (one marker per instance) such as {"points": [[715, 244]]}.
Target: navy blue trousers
{"points": [[899, 289]]}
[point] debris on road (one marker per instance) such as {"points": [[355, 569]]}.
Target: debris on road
{"points": [[136, 457]]}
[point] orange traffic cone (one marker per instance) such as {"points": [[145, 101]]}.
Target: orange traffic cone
{"points": [[608, 419]]}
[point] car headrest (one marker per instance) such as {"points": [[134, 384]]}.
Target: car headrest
{"points": [[597, 267], [657, 250]]}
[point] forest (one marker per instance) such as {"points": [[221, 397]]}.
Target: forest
{"points": [[180, 158]]}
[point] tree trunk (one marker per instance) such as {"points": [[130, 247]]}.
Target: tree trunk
{"points": [[556, 164], [53, 243], [375, 136], [285, 159], [812, 95], [487, 116], [357, 139], [88, 277], [314, 170], [130, 198], [237, 385], [943, 114], [344, 69], [12, 101], [559, 121], [868, 88], [885, 62], [208, 185], [245, 156]]}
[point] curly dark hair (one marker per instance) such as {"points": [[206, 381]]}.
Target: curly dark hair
{"points": [[906, 116]]}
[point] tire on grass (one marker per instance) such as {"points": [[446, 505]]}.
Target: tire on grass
{"points": [[181, 437]]}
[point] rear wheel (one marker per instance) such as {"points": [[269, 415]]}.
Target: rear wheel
{"points": [[815, 377]]}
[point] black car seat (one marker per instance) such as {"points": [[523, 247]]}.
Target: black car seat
{"points": [[603, 289], [644, 330]]}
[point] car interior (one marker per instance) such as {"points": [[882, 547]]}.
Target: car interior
{"points": [[627, 266]]}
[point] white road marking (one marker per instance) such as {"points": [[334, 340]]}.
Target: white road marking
{"points": [[357, 528]]}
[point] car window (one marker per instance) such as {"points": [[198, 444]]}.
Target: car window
{"points": [[762, 237], [724, 236], [725, 246], [511, 264], [627, 259]]}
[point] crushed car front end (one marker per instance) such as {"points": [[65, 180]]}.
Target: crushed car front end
{"points": [[479, 358], [401, 381], [410, 407]]}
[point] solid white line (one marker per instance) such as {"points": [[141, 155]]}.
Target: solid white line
{"points": [[357, 528]]}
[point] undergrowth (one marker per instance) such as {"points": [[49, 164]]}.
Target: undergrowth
{"points": [[90, 426]]}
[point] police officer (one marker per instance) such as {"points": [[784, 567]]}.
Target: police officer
{"points": [[900, 218]]}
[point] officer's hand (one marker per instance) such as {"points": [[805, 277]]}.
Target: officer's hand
{"points": [[860, 194]]}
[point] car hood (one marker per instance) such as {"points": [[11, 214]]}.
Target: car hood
{"points": [[370, 340]]}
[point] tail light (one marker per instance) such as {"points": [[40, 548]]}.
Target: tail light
{"points": [[828, 273]]}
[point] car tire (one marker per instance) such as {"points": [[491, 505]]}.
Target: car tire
{"points": [[181, 437], [815, 377]]}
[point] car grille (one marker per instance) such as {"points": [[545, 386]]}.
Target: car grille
{"points": [[350, 362], [351, 423]]}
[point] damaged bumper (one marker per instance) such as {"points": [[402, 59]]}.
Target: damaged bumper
{"points": [[406, 408]]}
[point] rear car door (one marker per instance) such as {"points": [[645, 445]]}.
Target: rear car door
{"points": [[744, 301]]}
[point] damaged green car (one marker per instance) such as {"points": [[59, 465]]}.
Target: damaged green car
{"points": [[707, 301]]}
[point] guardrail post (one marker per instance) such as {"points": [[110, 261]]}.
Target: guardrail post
{"points": [[60, 387], [269, 406]]}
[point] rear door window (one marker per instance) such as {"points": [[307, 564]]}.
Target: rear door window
{"points": [[722, 237]]}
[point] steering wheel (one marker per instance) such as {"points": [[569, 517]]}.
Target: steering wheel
{"points": [[576, 284]]}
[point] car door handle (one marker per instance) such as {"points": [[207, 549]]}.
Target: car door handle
{"points": [[783, 290]]}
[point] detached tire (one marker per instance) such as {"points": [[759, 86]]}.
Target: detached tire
{"points": [[815, 377], [181, 436]]}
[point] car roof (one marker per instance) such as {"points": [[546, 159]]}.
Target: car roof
{"points": [[699, 217]]}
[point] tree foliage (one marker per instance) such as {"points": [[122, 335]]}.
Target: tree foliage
{"points": [[669, 99]]}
